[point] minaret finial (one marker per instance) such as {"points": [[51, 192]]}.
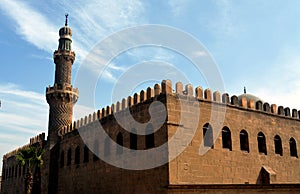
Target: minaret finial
{"points": [[244, 89], [66, 23]]}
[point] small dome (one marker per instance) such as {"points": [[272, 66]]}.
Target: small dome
{"points": [[65, 31], [249, 96]]}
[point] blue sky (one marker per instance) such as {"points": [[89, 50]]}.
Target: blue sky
{"points": [[254, 43]]}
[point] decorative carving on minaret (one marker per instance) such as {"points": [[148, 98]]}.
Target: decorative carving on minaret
{"points": [[62, 96]]}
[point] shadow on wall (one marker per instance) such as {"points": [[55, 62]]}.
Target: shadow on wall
{"points": [[266, 176]]}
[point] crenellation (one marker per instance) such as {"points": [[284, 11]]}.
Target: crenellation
{"points": [[234, 100], [130, 101], [118, 106], [94, 116], [150, 93], [99, 114], [67, 130], [294, 113], [136, 98], [108, 110], [266, 107], [217, 96], [81, 122], [113, 108], [207, 94], [287, 112], [157, 89], [274, 108], [124, 104], [74, 125], [103, 112], [189, 90], [259, 105], [179, 88], [34, 140], [199, 92], [251, 104], [142, 96], [225, 98], [243, 102], [166, 86], [90, 118], [281, 110]]}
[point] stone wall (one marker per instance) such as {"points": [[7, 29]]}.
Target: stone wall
{"points": [[86, 173], [231, 165]]}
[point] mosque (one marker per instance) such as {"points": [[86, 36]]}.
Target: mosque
{"points": [[207, 142]]}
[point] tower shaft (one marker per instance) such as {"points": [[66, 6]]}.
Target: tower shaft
{"points": [[62, 96]]}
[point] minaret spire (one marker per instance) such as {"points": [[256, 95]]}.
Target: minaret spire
{"points": [[62, 96], [66, 22]]}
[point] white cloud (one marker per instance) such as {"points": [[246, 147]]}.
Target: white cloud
{"points": [[282, 82], [22, 111], [23, 114], [30, 24], [91, 22]]}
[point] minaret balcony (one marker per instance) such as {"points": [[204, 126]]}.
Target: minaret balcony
{"points": [[64, 92]]}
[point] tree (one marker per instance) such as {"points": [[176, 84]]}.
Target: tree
{"points": [[31, 159]]}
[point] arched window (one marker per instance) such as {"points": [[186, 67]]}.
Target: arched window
{"points": [[77, 155], [62, 159], [16, 171], [120, 143], [244, 141], [20, 170], [208, 135], [133, 140], [278, 145], [12, 171], [261, 140], [24, 170], [226, 138], [149, 136], [96, 150], [85, 154], [69, 157], [293, 148]]}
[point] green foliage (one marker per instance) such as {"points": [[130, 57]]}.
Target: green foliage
{"points": [[30, 157]]}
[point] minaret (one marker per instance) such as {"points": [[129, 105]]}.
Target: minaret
{"points": [[62, 96]]}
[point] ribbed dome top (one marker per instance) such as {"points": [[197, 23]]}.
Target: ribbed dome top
{"points": [[65, 31], [65, 37]]}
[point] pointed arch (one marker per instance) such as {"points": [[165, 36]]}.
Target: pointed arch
{"points": [[120, 143], [96, 150], [149, 136], [62, 159], [69, 157], [133, 139], [293, 148], [244, 140], [226, 138], [208, 135], [86, 154], [278, 145], [261, 141], [77, 155]]}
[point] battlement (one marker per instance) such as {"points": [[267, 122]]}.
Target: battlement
{"points": [[62, 88], [188, 91], [34, 140]]}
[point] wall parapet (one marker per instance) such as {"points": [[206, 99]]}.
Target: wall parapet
{"points": [[206, 95], [34, 140]]}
